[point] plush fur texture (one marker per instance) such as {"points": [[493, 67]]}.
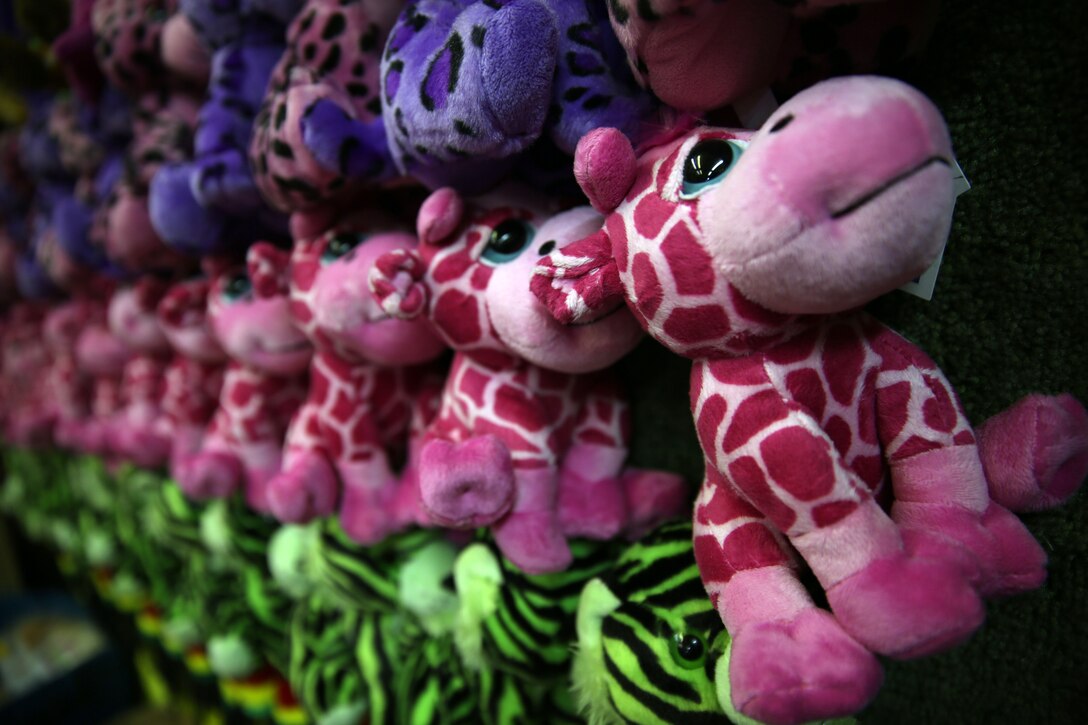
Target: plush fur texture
{"points": [[263, 386], [318, 136], [372, 387], [698, 55], [210, 203], [544, 460], [944, 533], [502, 76]]}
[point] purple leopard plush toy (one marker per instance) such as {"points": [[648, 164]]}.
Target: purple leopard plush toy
{"points": [[318, 137], [469, 87], [200, 205]]}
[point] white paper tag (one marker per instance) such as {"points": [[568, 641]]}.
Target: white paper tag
{"points": [[922, 286]]}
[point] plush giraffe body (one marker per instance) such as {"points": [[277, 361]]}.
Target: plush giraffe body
{"points": [[263, 386], [530, 439], [369, 380], [194, 377], [70, 386], [728, 246], [137, 429]]}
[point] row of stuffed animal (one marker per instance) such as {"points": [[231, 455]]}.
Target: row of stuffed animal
{"points": [[743, 250]]}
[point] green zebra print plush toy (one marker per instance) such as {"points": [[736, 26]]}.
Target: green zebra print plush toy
{"points": [[651, 649], [520, 623], [324, 673]]}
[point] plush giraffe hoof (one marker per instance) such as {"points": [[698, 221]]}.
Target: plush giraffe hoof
{"points": [[147, 450], [1035, 453], [787, 672], [653, 497], [533, 542], [365, 513], [306, 490], [907, 606], [468, 484], [593, 509], [211, 475], [1017, 562]]}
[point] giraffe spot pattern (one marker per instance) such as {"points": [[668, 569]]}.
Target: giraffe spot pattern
{"points": [[799, 463], [842, 360], [753, 414], [457, 315], [807, 388], [697, 324], [710, 418], [749, 479], [691, 267], [826, 514], [647, 287]]}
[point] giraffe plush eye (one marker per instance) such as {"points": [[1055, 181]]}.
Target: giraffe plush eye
{"points": [[708, 163], [237, 287], [340, 245], [688, 650], [508, 240]]}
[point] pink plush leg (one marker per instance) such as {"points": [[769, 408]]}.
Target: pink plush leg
{"points": [[942, 494], [530, 536], [469, 484], [894, 600], [791, 662], [1036, 452], [591, 496], [653, 497], [304, 490], [367, 511], [212, 474]]}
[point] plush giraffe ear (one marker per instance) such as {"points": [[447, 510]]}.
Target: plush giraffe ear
{"points": [[604, 166], [439, 216], [396, 282], [267, 269]]}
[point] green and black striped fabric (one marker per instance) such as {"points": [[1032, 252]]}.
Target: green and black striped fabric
{"points": [[520, 623], [324, 673], [649, 641], [364, 577]]}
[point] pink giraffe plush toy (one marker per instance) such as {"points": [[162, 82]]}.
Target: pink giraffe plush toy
{"points": [[194, 376], [137, 429], [749, 252], [103, 356], [70, 385], [369, 380], [530, 438], [264, 384]]}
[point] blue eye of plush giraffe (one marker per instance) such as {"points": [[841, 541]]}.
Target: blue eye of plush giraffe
{"points": [[708, 163], [508, 240], [340, 245], [236, 288]]}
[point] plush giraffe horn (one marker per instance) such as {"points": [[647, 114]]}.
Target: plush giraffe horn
{"points": [[604, 166], [395, 281], [439, 216], [267, 268]]}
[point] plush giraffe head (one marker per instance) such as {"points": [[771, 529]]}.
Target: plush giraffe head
{"points": [[722, 240], [133, 320], [471, 277], [330, 301], [249, 313], [183, 317]]}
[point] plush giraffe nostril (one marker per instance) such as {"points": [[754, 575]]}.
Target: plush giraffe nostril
{"points": [[547, 247], [781, 123]]}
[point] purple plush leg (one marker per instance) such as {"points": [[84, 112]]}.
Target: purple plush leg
{"points": [[1035, 453], [340, 143], [468, 484]]}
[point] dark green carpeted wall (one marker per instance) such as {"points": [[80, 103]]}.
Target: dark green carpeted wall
{"points": [[1010, 316]]}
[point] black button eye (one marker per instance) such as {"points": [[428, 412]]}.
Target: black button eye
{"points": [[547, 247], [781, 123], [237, 287], [340, 245], [688, 650], [507, 241], [708, 163]]}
